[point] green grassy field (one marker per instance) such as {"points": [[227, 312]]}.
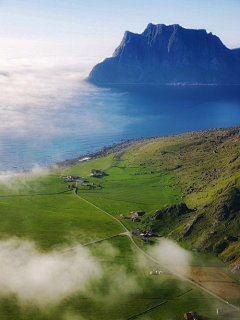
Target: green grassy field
{"points": [[45, 211], [150, 176]]}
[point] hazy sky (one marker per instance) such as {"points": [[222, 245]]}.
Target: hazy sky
{"points": [[93, 28]]}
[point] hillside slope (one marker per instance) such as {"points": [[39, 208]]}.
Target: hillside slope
{"points": [[207, 165]]}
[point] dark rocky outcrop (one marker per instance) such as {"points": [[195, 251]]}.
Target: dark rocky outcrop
{"points": [[174, 210], [169, 54], [190, 225], [219, 247], [230, 258], [229, 205]]}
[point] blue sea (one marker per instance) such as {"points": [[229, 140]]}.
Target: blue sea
{"points": [[96, 117]]}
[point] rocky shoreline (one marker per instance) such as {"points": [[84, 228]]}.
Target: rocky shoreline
{"points": [[118, 148]]}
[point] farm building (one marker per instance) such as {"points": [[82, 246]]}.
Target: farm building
{"points": [[191, 315], [74, 178], [220, 312], [137, 213], [95, 172], [146, 234], [134, 219]]}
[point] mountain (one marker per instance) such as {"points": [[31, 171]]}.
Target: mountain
{"points": [[169, 55]]}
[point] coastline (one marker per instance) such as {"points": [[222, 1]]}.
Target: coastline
{"points": [[119, 148]]}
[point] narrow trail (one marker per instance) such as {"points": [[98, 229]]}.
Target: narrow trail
{"points": [[129, 234], [78, 246], [84, 245]]}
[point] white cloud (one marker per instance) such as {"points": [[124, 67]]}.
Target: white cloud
{"points": [[43, 279], [170, 253]]}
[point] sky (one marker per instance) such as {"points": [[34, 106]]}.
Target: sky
{"points": [[93, 29]]}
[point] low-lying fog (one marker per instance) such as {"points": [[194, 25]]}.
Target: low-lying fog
{"points": [[49, 113], [45, 279]]}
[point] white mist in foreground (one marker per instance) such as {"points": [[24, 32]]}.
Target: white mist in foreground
{"points": [[169, 252], [71, 315], [43, 279]]}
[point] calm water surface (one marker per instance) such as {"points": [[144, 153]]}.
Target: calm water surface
{"points": [[102, 116]]}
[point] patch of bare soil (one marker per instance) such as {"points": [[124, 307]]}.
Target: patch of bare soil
{"points": [[213, 279]]}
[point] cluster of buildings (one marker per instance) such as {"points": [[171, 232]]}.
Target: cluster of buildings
{"points": [[72, 178], [136, 214], [146, 234], [75, 178], [98, 173]]}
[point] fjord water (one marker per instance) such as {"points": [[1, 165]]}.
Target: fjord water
{"points": [[99, 116]]}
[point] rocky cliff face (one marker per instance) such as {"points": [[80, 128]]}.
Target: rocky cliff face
{"points": [[169, 54]]}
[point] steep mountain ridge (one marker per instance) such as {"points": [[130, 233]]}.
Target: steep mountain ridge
{"points": [[169, 54]]}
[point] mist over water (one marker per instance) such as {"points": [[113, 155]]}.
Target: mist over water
{"points": [[48, 113]]}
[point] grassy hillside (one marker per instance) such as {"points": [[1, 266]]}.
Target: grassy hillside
{"points": [[205, 168], [200, 169], [187, 184]]}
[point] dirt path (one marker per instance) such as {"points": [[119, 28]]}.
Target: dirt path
{"points": [[101, 210], [84, 245]]}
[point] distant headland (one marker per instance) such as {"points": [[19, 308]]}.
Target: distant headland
{"points": [[169, 55]]}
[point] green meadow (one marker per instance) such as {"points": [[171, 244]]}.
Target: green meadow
{"points": [[148, 177]]}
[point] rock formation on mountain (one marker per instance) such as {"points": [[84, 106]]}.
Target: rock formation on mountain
{"points": [[169, 55]]}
